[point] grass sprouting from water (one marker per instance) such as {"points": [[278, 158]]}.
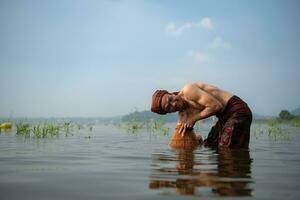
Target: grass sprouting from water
{"points": [[66, 127], [90, 126], [273, 128], [295, 122], [257, 130], [45, 130], [153, 126], [79, 126], [134, 126], [23, 129], [157, 126]]}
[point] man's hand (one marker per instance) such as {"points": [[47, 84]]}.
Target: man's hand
{"points": [[183, 127]]}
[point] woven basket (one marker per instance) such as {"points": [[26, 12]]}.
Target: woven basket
{"points": [[186, 141]]}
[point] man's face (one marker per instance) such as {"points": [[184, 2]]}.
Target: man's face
{"points": [[171, 103]]}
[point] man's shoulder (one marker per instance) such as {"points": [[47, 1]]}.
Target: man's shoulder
{"points": [[189, 88], [190, 92]]}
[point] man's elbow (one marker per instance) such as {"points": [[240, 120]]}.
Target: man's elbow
{"points": [[217, 108]]}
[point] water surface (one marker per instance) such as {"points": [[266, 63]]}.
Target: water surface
{"points": [[114, 164]]}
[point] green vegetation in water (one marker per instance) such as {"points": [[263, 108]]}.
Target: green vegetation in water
{"points": [[79, 126], [272, 128], [257, 130], [157, 126], [44, 130], [23, 129], [90, 127], [154, 126], [66, 128], [275, 130], [133, 126], [295, 122]]}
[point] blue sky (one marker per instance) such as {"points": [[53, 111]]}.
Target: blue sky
{"points": [[105, 58]]}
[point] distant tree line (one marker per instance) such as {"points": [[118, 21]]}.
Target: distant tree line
{"points": [[286, 115], [144, 116]]}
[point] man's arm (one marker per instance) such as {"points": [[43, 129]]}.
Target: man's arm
{"points": [[211, 104], [207, 112]]}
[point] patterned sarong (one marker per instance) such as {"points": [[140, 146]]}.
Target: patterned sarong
{"points": [[233, 126]]}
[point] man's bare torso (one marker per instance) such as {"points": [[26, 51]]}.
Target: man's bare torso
{"points": [[221, 95], [199, 96]]}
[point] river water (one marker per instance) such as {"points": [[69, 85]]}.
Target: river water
{"points": [[110, 163]]}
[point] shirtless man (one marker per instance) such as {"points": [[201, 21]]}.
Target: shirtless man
{"points": [[198, 101]]}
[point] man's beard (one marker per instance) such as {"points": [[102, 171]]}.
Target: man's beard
{"points": [[182, 105]]}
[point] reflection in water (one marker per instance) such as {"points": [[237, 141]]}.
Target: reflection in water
{"points": [[221, 172]]}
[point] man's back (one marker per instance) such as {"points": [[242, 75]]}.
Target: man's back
{"points": [[221, 95], [203, 101]]}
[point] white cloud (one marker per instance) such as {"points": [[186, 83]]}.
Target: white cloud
{"points": [[198, 57], [177, 30], [218, 43], [207, 23]]}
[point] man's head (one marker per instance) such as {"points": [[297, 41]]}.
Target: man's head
{"points": [[164, 102]]}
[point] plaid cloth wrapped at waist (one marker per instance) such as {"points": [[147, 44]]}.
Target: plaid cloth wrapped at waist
{"points": [[233, 126]]}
